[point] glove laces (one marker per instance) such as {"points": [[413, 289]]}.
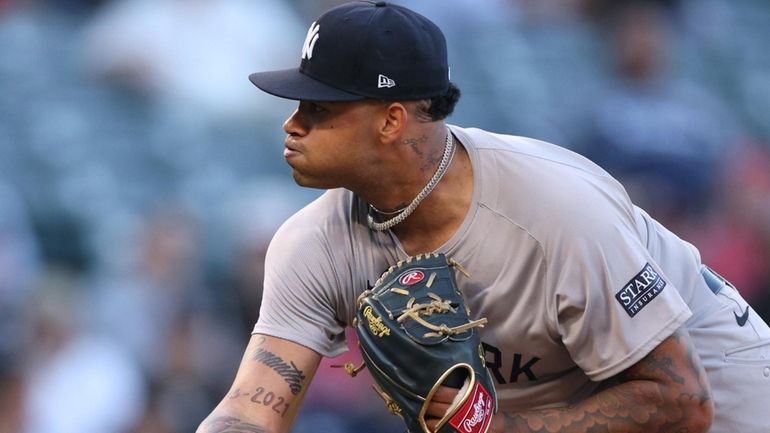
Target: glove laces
{"points": [[414, 311]]}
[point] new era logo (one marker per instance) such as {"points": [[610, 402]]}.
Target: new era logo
{"points": [[384, 81]]}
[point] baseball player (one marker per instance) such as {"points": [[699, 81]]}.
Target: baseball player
{"points": [[599, 318]]}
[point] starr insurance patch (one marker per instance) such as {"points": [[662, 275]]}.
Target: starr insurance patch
{"points": [[641, 290]]}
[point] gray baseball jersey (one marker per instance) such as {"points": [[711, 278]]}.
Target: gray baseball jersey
{"points": [[577, 283]]}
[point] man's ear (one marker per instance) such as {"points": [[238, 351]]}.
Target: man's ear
{"points": [[394, 122]]}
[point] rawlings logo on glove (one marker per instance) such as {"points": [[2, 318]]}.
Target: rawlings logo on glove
{"points": [[375, 323]]}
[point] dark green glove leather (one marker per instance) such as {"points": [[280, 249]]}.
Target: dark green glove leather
{"points": [[415, 334]]}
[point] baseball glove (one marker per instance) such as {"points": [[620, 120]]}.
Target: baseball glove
{"points": [[415, 334]]}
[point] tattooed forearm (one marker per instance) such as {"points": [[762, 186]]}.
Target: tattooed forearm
{"points": [[663, 365], [684, 369], [289, 371], [666, 392], [279, 404], [610, 412], [694, 363], [229, 424]]}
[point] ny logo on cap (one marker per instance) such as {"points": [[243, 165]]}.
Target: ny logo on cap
{"points": [[310, 40], [384, 81]]}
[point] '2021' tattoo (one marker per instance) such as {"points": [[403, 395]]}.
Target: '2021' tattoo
{"points": [[288, 371], [264, 397]]}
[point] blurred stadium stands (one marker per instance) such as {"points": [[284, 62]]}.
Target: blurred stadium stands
{"points": [[141, 175]]}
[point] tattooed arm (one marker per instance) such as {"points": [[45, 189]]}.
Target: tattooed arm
{"points": [[268, 389], [667, 391]]}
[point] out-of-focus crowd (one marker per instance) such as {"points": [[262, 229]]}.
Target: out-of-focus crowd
{"points": [[141, 175]]}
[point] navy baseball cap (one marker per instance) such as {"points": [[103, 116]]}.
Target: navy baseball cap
{"points": [[365, 49]]}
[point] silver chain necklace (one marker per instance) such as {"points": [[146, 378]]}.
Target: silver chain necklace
{"points": [[401, 215], [382, 212]]}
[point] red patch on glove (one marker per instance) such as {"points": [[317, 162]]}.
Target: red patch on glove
{"points": [[476, 413]]}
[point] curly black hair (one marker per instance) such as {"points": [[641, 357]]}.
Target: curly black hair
{"points": [[439, 107]]}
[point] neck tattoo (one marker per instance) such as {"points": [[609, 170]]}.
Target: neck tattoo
{"points": [[400, 215]]}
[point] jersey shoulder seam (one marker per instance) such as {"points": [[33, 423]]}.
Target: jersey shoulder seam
{"points": [[551, 322], [601, 174]]}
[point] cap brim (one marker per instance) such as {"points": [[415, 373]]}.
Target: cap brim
{"points": [[292, 84]]}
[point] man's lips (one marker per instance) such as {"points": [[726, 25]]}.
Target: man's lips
{"points": [[290, 150]]}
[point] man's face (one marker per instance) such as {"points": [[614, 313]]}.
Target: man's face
{"points": [[331, 144]]}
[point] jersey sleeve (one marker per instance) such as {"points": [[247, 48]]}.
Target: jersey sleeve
{"points": [[612, 303], [299, 302]]}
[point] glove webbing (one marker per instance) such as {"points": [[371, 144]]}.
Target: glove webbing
{"points": [[437, 305]]}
